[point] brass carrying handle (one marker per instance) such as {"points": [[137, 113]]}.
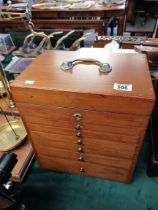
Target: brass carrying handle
{"points": [[103, 67]]}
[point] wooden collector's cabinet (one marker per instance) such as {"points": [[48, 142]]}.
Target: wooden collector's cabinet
{"points": [[82, 120]]}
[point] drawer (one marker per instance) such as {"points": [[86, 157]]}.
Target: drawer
{"points": [[70, 127], [60, 115], [92, 146], [109, 133], [87, 157], [89, 169]]}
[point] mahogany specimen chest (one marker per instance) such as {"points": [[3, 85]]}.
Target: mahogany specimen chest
{"points": [[81, 121]]}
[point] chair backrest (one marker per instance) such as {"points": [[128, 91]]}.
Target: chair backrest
{"points": [[138, 18]]}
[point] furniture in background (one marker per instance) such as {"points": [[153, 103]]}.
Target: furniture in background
{"points": [[151, 9], [141, 17], [156, 34], [96, 17], [141, 29], [130, 11], [125, 42], [152, 169], [24, 154]]}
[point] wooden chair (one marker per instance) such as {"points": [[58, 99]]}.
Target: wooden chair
{"points": [[138, 20]]}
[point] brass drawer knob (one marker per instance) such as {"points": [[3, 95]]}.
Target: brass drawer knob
{"points": [[81, 158], [77, 116], [82, 170], [78, 127], [79, 141], [80, 149], [78, 134]]}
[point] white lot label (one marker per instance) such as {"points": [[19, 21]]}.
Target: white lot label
{"points": [[29, 82], [122, 87]]}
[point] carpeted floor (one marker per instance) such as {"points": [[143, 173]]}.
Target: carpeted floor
{"points": [[48, 190]]}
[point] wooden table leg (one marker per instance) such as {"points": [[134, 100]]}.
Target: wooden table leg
{"points": [[120, 25]]}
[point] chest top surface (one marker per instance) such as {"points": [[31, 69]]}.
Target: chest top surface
{"points": [[131, 69]]}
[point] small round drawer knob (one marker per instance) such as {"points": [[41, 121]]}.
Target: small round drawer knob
{"points": [[80, 149], [81, 158], [77, 116], [78, 134], [79, 141], [78, 127], [82, 170]]}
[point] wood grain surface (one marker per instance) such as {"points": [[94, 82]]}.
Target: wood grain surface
{"points": [[84, 86], [113, 122]]}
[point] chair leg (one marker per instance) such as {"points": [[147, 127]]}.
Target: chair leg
{"points": [[156, 35], [110, 24]]}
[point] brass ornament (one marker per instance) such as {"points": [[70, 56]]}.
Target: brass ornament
{"points": [[11, 15], [12, 133], [77, 116], [2, 89], [10, 140], [6, 86]]}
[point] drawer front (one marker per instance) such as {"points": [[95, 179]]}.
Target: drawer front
{"points": [[86, 157], [61, 115], [84, 168], [96, 125], [92, 146], [103, 138], [103, 134]]}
